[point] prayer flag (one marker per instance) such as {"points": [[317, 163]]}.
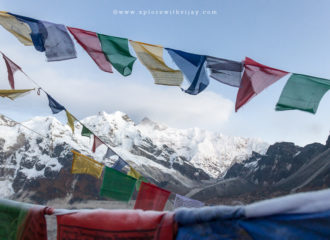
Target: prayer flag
{"points": [[302, 216], [11, 69], [58, 43], [119, 164], [97, 143], [151, 197], [54, 106], [38, 31], [117, 52], [19, 29], [86, 132], [302, 92], [117, 185], [71, 120], [151, 57], [225, 71], [256, 78], [13, 94], [82, 164], [181, 201], [22, 221], [193, 67], [90, 42], [133, 173], [117, 224], [109, 153]]}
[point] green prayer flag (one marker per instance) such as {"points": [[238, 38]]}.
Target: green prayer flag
{"points": [[13, 218], [117, 185], [22, 221], [86, 132], [302, 92], [117, 53]]}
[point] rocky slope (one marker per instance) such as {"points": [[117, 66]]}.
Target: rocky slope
{"points": [[38, 167], [284, 169]]}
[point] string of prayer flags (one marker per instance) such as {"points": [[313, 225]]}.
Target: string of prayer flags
{"points": [[71, 120], [182, 201], [225, 71], [117, 185], [192, 66], [54, 106], [22, 221], [133, 173], [86, 132], [96, 144], [58, 43], [19, 29], [117, 52], [119, 164], [82, 164], [302, 92], [37, 29], [256, 78], [90, 42], [151, 197], [151, 57], [13, 94], [11, 69]]}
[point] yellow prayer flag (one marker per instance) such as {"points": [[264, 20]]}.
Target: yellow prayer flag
{"points": [[86, 165], [19, 29], [71, 120], [133, 173], [13, 94], [151, 57]]}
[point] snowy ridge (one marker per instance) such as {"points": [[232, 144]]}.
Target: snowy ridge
{"points": [[210, 151], [31, 155]]}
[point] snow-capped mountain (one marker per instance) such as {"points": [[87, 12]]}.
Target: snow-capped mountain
{"points": [[174, 158]]}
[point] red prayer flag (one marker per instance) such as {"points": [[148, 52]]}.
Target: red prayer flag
{"points": [[256, 78], [151, 197], [11, 68], [97, 142], [91, 43], [36, 226], [116, 224]]}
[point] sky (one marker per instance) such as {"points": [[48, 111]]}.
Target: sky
{"points": [[290, 35]]}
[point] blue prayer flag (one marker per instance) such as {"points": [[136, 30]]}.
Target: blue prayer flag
{"points": [[193, 67], [119, 164], [288, 226], [54, 106], [38, 31], [297, 216], [58, 43]]}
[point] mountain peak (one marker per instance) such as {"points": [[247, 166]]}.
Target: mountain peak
{"points": [[148, 123]]}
